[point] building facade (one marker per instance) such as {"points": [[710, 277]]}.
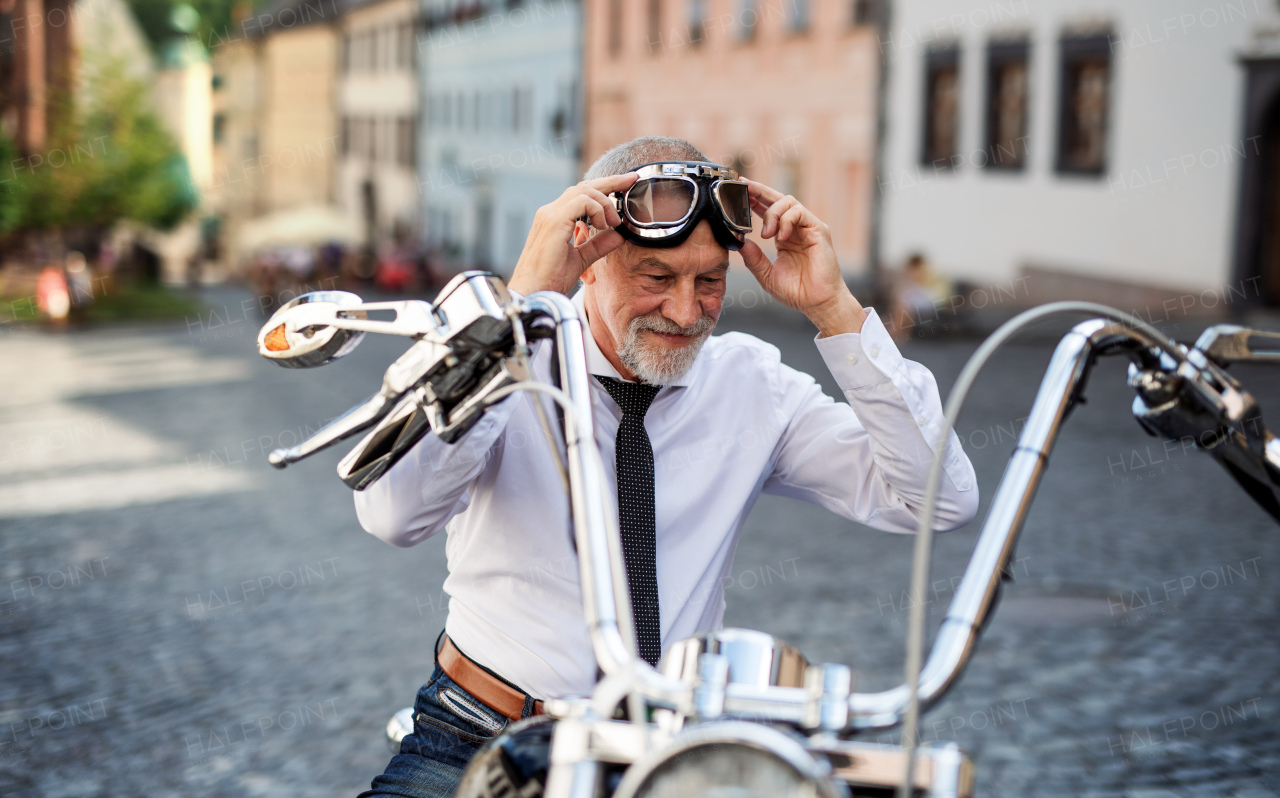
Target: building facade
{"points": [[1085, 147], [275, 124], [298, 121], [782, 90], [377, 96], [501, 119]]}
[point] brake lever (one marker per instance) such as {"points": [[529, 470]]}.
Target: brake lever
{"points": [[399, 378], [1199, 401], [1225, 344]]}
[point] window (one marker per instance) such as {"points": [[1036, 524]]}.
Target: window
{"points": [[798, 16], [748, 20], [867, 12], [941, 107], [406, 141], [407, 45], [1007, 105], [1084, 105], [522, 109], [655, 26], [517, 231], [786, 177], [697, 21], [358, 50], [615, 27]]}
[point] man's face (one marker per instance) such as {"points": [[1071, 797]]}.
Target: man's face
{"points": [[658, 306]]}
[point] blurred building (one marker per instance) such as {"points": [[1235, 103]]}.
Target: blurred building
{"points": [[1122, 150], [184, 101], [782, 90], [43, 48], [235, 195], [37, 62], [275, 122], [377, 95], [500, 95]]}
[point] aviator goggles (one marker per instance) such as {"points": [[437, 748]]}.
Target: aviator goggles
{"points": [[669, 198]]}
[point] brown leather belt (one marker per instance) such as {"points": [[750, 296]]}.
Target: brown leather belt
{"points": [[487, 688]]}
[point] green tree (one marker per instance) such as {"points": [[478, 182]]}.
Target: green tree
{"points": [[108, 158], [10, 190]]}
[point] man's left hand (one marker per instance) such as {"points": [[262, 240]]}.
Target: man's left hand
{"points": [[805, 276]]}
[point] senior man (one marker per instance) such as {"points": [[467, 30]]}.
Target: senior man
{"points": [[694, 428]]}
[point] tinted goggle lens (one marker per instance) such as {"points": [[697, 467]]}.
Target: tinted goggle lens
{"points": [[660, 200], [735, 204]]}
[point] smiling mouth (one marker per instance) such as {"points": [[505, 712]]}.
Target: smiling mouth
{"points": [[675, 339]]}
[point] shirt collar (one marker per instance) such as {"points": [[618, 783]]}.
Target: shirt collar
{"points": [[597, 363]]}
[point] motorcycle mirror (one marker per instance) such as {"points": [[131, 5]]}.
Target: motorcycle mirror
{"points": [[296, 336]]}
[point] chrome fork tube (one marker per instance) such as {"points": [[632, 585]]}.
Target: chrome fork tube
{"points": [[977, 590], [605, 600]]}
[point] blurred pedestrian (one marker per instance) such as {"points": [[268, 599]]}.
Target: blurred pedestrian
{"points": [[51, 294], [79, 286], [395, 271], [918, 293]]}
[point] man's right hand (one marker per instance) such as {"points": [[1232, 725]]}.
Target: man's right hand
{"points": [[552, 260]]}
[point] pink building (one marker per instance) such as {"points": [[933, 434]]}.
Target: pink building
{"points": [[783, 90]]}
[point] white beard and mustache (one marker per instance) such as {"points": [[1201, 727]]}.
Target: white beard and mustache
{"points": [[652, 361]]}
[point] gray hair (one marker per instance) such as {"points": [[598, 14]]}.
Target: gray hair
{"points": [[646, 149]]}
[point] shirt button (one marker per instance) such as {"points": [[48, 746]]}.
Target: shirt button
{"points": [[875, 351], [921, 420], [851, 358]]}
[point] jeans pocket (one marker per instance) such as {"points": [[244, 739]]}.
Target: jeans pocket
{"points": [[444, 707], [469, 709]]}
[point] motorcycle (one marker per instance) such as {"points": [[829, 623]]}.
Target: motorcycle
{"points": [[736, 711]]}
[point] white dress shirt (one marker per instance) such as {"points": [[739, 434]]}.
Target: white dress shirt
{"points": [[738, 423]]}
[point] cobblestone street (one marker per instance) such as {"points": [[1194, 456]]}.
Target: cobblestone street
{"points": [[179, 619]]}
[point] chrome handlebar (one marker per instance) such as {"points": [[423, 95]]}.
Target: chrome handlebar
{"points": [[1195, 399], [470, 347], [465, 350]]}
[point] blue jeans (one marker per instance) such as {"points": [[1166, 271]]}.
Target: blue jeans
{"points": [[449, 727]]}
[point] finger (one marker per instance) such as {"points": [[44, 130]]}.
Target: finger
{"points": [[599, 245], [754, 258], [771, 216], [789, 221], [768, 195], [586, 206], [610, 210], [612, 182]]}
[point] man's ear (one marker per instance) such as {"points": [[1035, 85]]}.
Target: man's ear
{"points": [[581, 232]]}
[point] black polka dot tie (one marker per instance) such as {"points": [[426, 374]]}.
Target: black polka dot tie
{"points": [[634, 459]]}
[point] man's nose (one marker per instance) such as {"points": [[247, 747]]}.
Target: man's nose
{"points": [[682, 306]]}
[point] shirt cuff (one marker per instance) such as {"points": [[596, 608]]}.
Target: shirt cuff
{"points": [[863, 358]]}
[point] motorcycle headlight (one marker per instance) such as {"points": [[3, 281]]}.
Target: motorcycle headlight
{"points": [[731, 760]]}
